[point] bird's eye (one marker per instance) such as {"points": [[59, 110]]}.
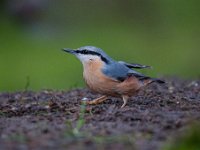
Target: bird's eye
{"points": [[84, 51]]}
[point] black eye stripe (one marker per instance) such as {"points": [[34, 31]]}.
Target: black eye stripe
{"points": [[84, 51], [87, 52]]}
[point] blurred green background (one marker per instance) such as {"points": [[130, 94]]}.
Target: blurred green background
{"points": [[164, 34]]}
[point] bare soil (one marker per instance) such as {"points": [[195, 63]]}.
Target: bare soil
{"points": [[58, 120]]}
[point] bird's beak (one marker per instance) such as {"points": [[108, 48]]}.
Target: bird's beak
{"points": [[68, 50]]}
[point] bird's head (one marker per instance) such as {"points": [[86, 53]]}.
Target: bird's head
{"points": [[88, 54]]}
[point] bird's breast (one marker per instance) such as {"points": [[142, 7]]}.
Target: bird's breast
{"points": [[96, 80]]}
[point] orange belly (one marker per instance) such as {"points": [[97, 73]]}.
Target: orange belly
{"points": [[100, 83], [129, 86], [107, 87]]}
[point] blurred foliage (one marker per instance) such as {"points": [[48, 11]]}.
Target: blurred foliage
{"points": [[189, 141], [163, 34]]}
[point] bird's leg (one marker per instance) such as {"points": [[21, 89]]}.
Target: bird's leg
{"points": [[125, 99], [97, 100]]}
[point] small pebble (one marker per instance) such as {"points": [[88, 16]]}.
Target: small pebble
{"points": [[84, 99]]}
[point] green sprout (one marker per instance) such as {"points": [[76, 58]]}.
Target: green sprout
{"points": [[75, 131]]}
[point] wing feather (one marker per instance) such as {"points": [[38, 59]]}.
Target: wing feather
{"points": [[119, 71], [134, 65]]}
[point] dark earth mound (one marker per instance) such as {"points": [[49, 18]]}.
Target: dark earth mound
{"points": [[58, 120]]}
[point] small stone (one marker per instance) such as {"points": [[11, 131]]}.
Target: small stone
{"points": [[46, 106], [13, 108], [84, 99]]}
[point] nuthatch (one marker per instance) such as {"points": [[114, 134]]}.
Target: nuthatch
{"points": [[108, 77]]}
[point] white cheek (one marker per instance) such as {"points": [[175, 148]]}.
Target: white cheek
{"points": [[82, 58], [85, 58]]}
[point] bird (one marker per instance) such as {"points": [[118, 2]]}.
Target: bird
{"points": [[109, 77]]}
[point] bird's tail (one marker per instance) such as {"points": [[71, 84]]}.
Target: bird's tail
{"points": [[157, 80], [151, 80]]}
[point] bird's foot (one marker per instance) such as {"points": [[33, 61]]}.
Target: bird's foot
{"points": [[95, 101], [125, 99]]}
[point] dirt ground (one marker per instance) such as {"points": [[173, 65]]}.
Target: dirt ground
{"points": [[58, 120]]}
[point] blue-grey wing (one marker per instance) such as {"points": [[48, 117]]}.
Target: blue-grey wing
{"points": [[134, 65], [120, 72]]}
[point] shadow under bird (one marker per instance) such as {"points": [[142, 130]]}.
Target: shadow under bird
{"points": [[108, 77]]}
